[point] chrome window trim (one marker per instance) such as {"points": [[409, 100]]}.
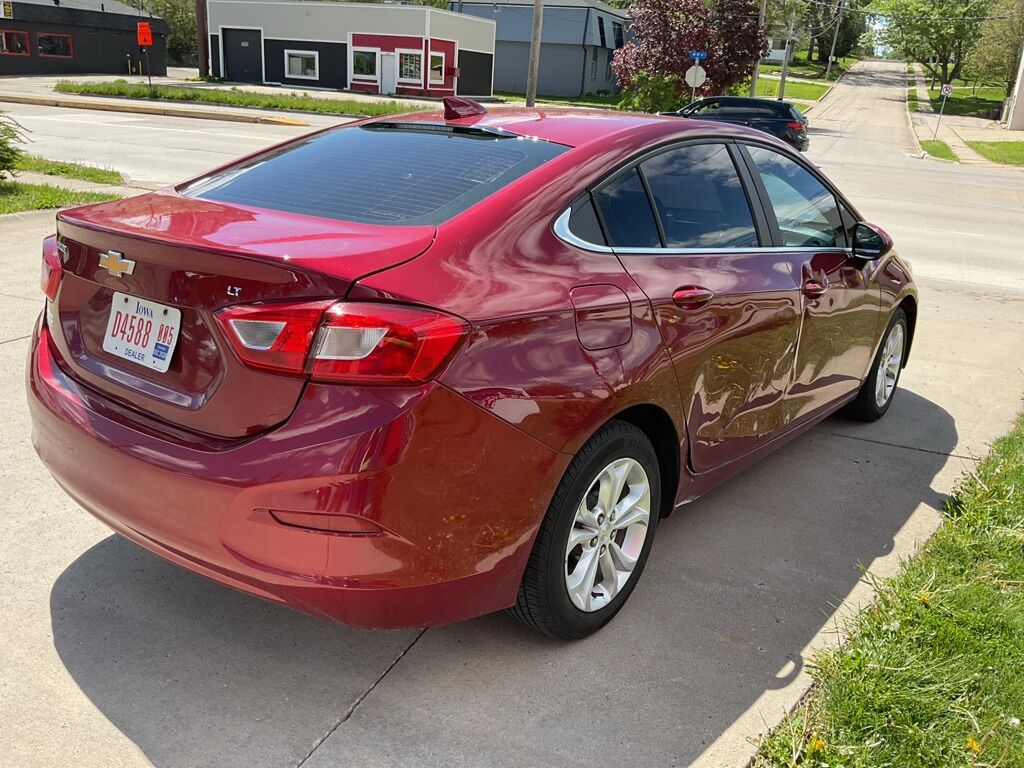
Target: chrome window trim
{"points": [[563, 233]]}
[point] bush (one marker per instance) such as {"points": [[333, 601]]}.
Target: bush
{"points": [[10, 135], [653, 93]]}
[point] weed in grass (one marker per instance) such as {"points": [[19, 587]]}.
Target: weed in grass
{"points": [[36, 164], [15, 197]]}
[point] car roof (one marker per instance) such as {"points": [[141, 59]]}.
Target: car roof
{"points": [[749, 101], [563, 125]]}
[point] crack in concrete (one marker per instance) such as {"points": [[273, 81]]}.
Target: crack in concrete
{"points": [[359, 700], [896, 445], [19, 338]]}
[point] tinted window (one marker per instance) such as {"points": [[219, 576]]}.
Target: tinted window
{"points": [[806, 211], [627, 212], [584, 224], [699, 197], [411, 175]]}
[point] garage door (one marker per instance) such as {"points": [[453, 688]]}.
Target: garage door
{"points": [[243, 55]]}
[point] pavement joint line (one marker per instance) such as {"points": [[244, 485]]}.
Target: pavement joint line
{"points": [[15, 296], [896, 445], [359, 700], [19, 338]]}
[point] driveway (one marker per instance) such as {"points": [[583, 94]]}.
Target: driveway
{"points": [[111, 657]]}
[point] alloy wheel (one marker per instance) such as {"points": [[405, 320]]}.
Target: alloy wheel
{"points": [[607, 534], [889, 366]]}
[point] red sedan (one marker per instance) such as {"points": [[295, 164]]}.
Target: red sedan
{"points": [[412, 370]]}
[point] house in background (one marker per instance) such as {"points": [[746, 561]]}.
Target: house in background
{"points": [[777, 51], [71, 37], [377, 48], [578, 38]]}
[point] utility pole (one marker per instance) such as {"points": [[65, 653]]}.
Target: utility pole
{"points": [[786, 54], [533, 73], [757, 64], [202, 38], [835, 36]]}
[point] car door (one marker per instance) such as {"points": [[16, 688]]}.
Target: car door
{"points": [[840, 307], [687, 228]]}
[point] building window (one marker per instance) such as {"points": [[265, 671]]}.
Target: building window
{"points": [[410, 66], [437, 67], [617, 31], [593, 63], [57, 46], [608, 68], [302, 65], [364, 63], [14, 43], [600, 32]]}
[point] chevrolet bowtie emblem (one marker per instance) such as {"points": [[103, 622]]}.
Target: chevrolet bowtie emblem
{"points": [[116, 264]]}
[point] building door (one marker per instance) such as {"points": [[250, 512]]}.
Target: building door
{"points": [[388, 73], [243, 55]]}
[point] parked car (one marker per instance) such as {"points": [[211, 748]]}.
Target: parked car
{"points": [[778, 118], [415, 369]]}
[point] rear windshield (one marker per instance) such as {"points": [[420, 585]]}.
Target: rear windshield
{"points": [[406, 174]]}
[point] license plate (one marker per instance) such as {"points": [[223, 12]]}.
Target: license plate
{"points": [[141, 331]]}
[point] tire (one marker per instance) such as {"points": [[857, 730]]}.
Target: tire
{"points": [[618, 452], [870, 405]]}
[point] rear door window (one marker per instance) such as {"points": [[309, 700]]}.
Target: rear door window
{"points": [[807, 212], [402, 174], [626, 211], [699, 198]]}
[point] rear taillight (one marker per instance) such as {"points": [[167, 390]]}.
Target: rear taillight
{"points": [[793, 125], [351, 342], [52, 269]]}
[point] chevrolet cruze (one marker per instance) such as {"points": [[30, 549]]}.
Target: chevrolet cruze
{"points": [[412, 370]]}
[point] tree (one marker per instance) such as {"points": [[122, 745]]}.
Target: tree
{"points": [[739, 40], [10, 136], [945, 29], [664, 32], [180, 16], [996, 55]]}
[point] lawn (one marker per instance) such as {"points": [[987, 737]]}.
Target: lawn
{"points": [[939, 149], [236, 98], [587, 100], [964, 101], [795, 89], [36, 164], [15, 197], [932, 675], [802, 68], [912, 99], [1007, 152]]}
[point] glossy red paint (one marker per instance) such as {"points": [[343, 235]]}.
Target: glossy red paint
{"points": [[412, 505]]}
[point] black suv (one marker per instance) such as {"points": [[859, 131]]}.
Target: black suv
{"points": [[779, 118]]}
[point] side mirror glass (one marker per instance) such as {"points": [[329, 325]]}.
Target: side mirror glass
{"points": [[870, 242]]}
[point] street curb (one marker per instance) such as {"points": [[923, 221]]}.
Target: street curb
{"points": [[142, 108]]}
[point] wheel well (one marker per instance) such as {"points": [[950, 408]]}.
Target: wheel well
{"points": [[909, 307], [660, 430]]}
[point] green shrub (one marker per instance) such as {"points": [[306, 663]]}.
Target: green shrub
{"points": [[653, 93], [10, 135]]}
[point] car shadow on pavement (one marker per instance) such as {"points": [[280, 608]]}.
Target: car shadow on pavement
{"points": [[738, 583]]}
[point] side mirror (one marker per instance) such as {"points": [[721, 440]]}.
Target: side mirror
{"points": [[870, 242]]}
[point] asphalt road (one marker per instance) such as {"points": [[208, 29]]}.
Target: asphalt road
{"points": [[111, 657]]}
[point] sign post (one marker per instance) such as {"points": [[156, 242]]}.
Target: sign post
{"points": [[947, 91], [145, 36], [696, 75]]}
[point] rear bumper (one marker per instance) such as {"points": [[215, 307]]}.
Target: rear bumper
{"points": [[457, 517]]}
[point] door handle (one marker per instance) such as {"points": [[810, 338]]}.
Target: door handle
{"points": [[813, 289], [692, 296]]}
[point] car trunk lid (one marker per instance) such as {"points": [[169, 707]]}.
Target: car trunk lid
{"points": [[198, 256]]}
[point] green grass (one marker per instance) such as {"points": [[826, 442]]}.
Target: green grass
{"points": [[236, 98], [932, 675], [1007, 152], [939, 149], [794, 89], [964, 102], [587, 100], [15, 197], [36, 164], [912, 104], [800, 67]]}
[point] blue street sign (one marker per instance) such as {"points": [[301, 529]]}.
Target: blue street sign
{"points": [[698, 55]]}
